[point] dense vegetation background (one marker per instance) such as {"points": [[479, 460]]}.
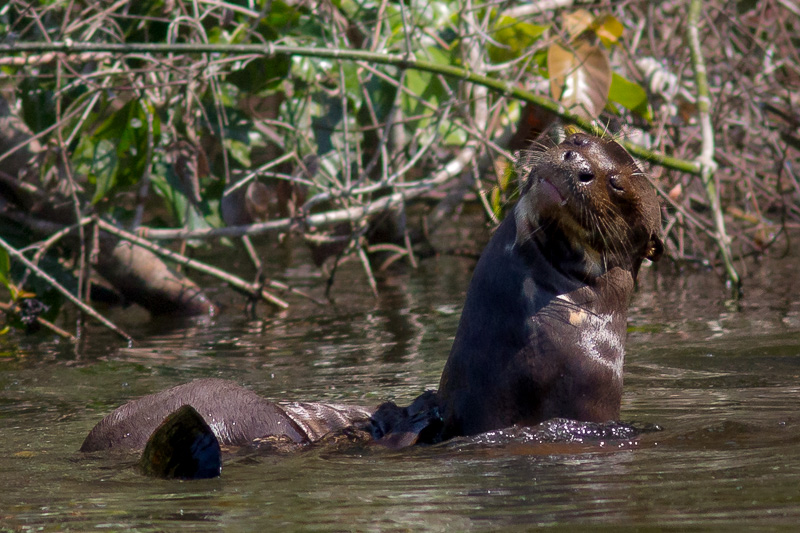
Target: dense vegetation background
{"points": [[120, 159]]}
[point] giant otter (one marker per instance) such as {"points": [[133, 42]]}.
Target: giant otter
{"points": [[542, 333]]}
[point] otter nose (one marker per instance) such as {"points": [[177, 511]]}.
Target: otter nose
{"points": [[579, 165]]}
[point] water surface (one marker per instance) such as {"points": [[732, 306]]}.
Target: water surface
{"points": [[721, 378]]}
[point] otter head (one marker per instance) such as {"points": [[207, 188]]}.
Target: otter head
{"points": [[588, 195]]}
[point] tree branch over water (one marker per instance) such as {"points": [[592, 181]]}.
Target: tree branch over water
{"points": [[363, 131], [402, 62], [706, 159]]}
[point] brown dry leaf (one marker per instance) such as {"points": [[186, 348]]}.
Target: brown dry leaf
{"points": [[742, 215], [257, 201], [687, 110], [25, 454], [184, 157], [580, 77], [577, 22]]}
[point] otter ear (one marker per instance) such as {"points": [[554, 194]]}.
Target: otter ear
{"points": [[655, 247]]}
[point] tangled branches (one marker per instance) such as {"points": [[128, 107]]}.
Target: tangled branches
{"points": [[327, 121]]}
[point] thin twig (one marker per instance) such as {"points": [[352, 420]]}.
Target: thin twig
{"points": [[330, 218], [83, 268], [45, 245], [7, 308], [707, 163], [362, 255], [270, 50], [68, 295], [230, 279]]}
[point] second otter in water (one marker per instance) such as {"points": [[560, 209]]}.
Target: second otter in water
{"points": [[542, 333]]}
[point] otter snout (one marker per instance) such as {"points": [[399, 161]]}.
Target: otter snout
{"points": [[578, 166]]}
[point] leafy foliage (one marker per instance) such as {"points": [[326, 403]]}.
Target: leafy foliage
{"points": [[174, 140], [114, 156], [132, 109], [5, 268]]}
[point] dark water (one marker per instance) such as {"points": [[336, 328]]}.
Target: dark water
{"points": [[722, 380]]}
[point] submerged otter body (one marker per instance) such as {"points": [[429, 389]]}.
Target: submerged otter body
{"points": [[237, 416], [542, 333]]}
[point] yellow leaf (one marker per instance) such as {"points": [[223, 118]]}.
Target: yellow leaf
{"points": [[494, 200], [501, 171], [25, 294], [609, 29]]}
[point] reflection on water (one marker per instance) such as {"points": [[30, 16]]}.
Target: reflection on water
{"points": [[722, 379]]}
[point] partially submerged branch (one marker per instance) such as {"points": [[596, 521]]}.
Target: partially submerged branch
{"points": [[234, 281], [335, 136], [706, 160]]}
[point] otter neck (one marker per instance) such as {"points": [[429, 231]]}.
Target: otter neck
{"points": [[546, 241]]}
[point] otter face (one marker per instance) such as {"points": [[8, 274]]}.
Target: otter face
{"points": [[592, 191]]}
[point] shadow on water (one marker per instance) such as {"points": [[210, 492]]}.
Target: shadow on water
{"points": [[721, 379]]}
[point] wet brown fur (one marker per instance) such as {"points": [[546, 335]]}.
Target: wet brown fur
{"points": [[542, 330], [541, 333]]}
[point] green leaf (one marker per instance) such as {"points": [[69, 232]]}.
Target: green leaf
{"points": [[261, 73], [324, 125], [195, 219], [103, 173], [239, 150], [630, 95], [5, 267], [382, 95], [452, 134], [352, 83], [135, 30], [280, 20], [183, 211], [507, 176], [155, 120], [427, 86], [167, 185], [97, 160], [743, 6], [38, 102], [513, 38], [115, 155], [494, 201]]}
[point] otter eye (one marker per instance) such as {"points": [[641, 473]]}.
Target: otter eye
{"points": [[577, 140], [616, 183]]}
